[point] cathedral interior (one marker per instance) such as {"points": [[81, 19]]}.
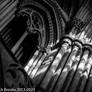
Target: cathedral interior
{"points": [[46, 45]]}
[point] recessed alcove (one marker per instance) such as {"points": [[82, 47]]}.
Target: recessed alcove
{"points": [[20, 42], [29, 45]]}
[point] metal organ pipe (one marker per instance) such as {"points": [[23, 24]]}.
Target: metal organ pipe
{"points": [[58, 62], [5, 10]]}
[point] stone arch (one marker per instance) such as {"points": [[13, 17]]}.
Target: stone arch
{"points": [[52, 16]]}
